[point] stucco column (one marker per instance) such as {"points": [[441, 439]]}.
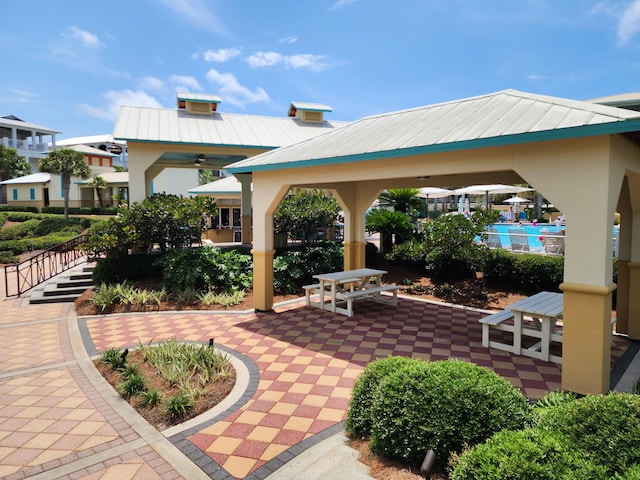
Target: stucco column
{"points": [[140, 159], [245, 207], [355, 199], [587, 338], [266, 198]]}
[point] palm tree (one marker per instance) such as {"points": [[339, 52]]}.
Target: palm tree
{"points": [[98, 183], [401, 200], [11, 165], [388, 224], [65, 162]]}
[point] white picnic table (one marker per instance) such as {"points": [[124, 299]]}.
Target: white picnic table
{"points": [[544, 309], [347, 286]]}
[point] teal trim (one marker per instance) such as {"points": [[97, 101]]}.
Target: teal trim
{"points": [[610, 128], [61, 188], [15, 194], [151, 188], [197, 144], [32, 194]]}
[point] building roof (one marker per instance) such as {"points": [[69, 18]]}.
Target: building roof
{"points": [[10, 122], [226, 185], [33, 178], [87, 140], [311, 107], [501, 118], [174, 126], [87, 150], [199, 97]]}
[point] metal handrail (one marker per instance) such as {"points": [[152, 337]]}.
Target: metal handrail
{"points": [[43, 266]]}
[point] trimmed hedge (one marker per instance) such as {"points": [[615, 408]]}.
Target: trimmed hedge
{"points": [[606, 428], [81, 210], [443, 406], [529, 272], [16, 208], [359, 413], [529, 454]]}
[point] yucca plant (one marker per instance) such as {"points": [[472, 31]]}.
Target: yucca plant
{"points": [[133, 384], [113, 358], [151, 397], [105, 297], [179, 405]]}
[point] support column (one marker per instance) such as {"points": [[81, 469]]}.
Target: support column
{"points": [[633, 301], [263, 279], [354, 255], [586, 335], [245, 208], [622, 297]]}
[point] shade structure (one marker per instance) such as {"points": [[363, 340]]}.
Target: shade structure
{"points": [[517, 201], [489, 189], [434, 192]]}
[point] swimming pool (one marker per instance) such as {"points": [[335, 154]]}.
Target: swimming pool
{"points": [[533, 232]]}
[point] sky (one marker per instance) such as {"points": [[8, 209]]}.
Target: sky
{"points": [[69, 65]]}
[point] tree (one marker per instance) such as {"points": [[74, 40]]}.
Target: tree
{"points": [[302, 213], [65, 162], [11, 166], [98, 183], [401, 200], [388, 224]]}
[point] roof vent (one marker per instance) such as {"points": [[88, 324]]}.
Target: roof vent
{"points": [[308, 112], [198, 103]]}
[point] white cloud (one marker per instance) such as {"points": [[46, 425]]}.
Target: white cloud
{"points": [[184, 83], [535, 77], [116, 99], [629, 24], [152, 83], [233, 92], [87, 39], [221, 55], [268, 59], [341, 3], [197, 12], [22, 96], [289, 40]]}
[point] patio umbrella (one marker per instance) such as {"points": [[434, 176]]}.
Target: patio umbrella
{"points": [[517, 201], [433, 192], [486, 190]]}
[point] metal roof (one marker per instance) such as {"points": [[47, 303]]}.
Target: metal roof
{"points": [[109, 177], [225, 185], [87, 150], [501, 118], [220, 129], [199, 97], [33, 178], [311, 107], [7, 122]]}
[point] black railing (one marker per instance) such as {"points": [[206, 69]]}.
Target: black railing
{"points": [[22, 277]]}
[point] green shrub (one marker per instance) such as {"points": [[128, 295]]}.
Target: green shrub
{"points": [[3, 219], [47, 226], [179, 405], [132, 385], [359, 413], [20, 231], [151, 397], [552, 400], [16, 208], [113, 358], [295, 266], [8, 257], [632, 473], [606, 428], [130, 267], [24, 216], [442, 406], [529, 454], [529, 272], [16, 247]]}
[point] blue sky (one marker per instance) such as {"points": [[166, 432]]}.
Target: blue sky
{"points": [[69, 65]]}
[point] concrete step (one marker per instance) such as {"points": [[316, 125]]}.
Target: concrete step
{"points": [[65, 287], [331, 458]]}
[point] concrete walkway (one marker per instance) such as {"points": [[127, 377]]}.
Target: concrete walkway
{"points": [[59, 419]]}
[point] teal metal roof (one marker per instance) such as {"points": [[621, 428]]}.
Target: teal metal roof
{"points": [[502, 118], [199, 97]]}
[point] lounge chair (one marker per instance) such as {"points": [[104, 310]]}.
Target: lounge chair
{"points": [[493, 239], [553, 244], [519, 240]]}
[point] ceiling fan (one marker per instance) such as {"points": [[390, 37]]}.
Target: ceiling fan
{"points": [[200, 159]]}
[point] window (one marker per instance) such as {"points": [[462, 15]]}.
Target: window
{"points": [[15, 194], [32, 194]]}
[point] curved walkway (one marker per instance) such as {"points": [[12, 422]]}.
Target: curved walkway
{"points": [[296, 367]]}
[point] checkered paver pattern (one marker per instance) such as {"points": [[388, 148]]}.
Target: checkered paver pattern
{"points": [[308, 360]]}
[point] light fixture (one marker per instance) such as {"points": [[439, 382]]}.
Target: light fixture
{"points": [[199, 159]]}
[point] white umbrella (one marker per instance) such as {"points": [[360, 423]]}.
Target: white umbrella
{"points": [[433, 192], [517, 201], [486, 190]]}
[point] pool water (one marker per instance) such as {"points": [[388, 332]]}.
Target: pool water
{"points": [[533, 232]]}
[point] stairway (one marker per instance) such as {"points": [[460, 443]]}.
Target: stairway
{"points": [[65, 287]]}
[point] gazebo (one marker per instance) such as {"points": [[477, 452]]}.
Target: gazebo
{"points": [[584, 157]]}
